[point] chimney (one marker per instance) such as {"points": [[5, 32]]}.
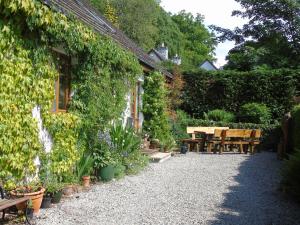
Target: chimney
{"points": [[176, 60], [163, 51]]}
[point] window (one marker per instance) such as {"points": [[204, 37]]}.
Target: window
{"points": [[62, 84]]}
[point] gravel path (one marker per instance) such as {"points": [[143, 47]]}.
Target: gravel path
{"points": [[192, 189]]}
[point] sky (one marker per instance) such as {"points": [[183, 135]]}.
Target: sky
{"points": [[216, 12]]}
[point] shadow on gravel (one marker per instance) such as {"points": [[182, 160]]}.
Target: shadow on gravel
{"points": [[254, 197]]}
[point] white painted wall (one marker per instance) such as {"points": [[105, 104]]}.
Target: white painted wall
{"points": [[44, 136]]}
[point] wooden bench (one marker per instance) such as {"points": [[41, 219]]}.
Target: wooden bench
{"points": [[7, 203], [255, 140], [199, 142], [239, 137]]}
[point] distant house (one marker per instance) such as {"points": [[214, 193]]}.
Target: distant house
{"points": [[208, 65], [161, 54]]}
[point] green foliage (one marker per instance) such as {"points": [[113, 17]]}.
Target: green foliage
{"points": [[296, 127], [156, 122], [291, 170], [255, 113], [136, 18], [126, 145], [119, 147], [28, 31], [219, 115], [110, 14], [179, 124], [124, 140], [229, 90], [291, 175], [26, 80], [102, 154], [151, 25], [84, 166], [52, 185], [167, 144], [64, 154], [198, 43], [119, 170], [269, 28]]}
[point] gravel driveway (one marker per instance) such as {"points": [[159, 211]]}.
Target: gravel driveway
{"points": [[191, 189]]}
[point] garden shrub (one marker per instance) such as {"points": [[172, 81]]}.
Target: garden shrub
{"points": [[120, 147], [219, 115], [296, 127], [291, 175], [255, 113], [156, 122], [229, 90], [291, 170], [179, 124]]}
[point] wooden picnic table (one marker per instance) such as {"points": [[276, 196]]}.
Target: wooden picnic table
{"points": [[207, 134]]}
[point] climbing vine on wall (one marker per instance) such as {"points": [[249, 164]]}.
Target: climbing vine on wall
{"points": [[27, 78], [156, 122]]}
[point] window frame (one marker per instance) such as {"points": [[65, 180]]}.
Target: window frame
{"points": [[67, 91]]}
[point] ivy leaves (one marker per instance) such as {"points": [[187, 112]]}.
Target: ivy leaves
{"points": [[104, 75]]}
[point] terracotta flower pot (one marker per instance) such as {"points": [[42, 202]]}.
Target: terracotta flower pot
{"points": [[36, 198], [86, 181]]}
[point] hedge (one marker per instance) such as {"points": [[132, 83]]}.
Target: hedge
{"points": [[291, 170], [229, 90], [296, 127]]}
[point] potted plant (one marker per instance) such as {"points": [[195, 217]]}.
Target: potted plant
{"points": [[34, 190], [103, 157], [53, 192], [84, 168], [56, 192], [46, 203]]}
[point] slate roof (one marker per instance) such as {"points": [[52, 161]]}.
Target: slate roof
{"points": [[157, 54], [211, 63], [82, 10]]}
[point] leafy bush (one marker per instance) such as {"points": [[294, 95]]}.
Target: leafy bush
{"points": [[126, 144], [119, 170], [296, 127], [229, 90], [84, 166], [156, 122], [291, 175], [255, 113], [219, 115], [120, 147], [124, 140]]}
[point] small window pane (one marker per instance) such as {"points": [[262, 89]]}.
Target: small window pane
{"points": [[63, 89]]}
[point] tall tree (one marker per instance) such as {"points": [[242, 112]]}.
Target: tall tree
{"points": [[273, 27], [198, 44], [149, 25]]}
